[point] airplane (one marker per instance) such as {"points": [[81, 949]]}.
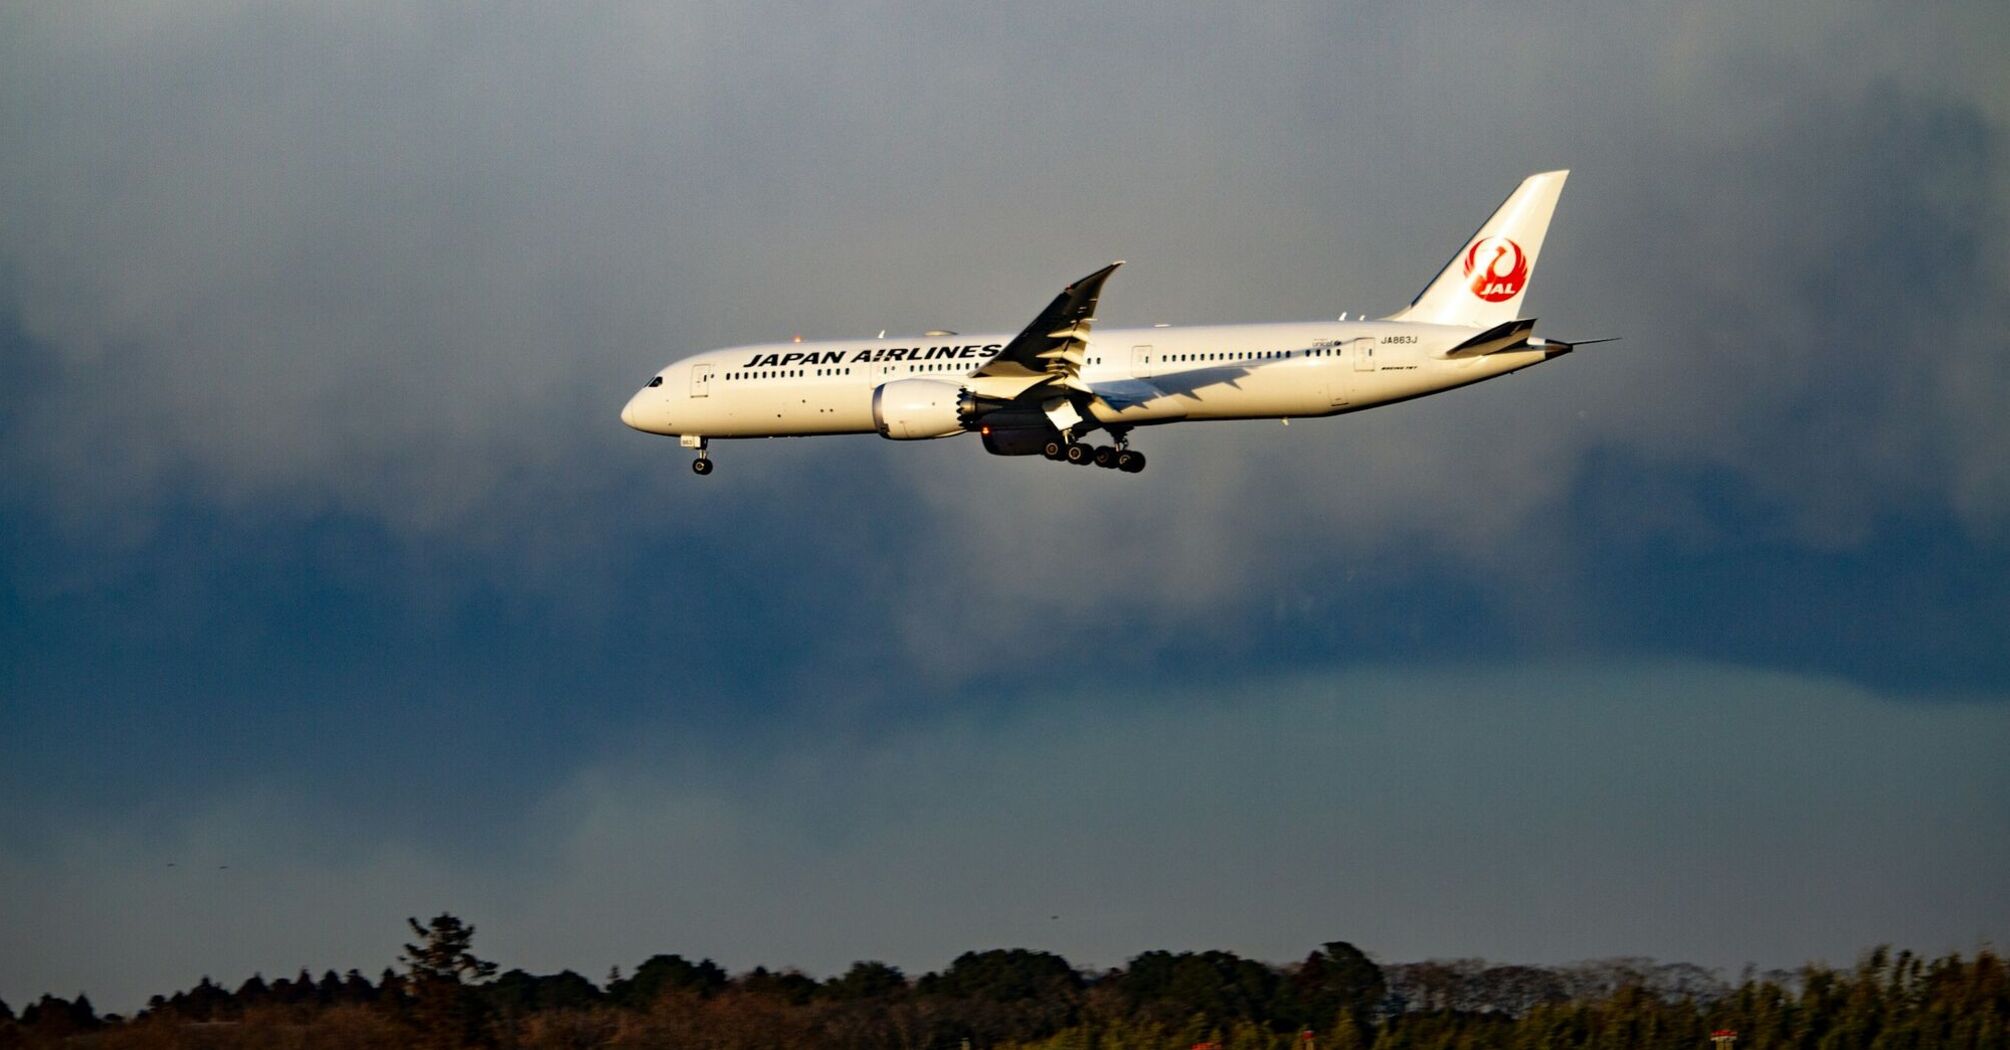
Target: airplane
{"points": [[1046, 389]]}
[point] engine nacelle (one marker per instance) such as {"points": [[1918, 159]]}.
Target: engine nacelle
{"points": [[911, 409], [1017, 441]]}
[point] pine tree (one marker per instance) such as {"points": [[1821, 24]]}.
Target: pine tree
{"points": [[438, 970]]}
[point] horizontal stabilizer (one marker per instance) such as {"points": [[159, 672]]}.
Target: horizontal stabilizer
{"points": [[1508, 335], [1558, 348]]}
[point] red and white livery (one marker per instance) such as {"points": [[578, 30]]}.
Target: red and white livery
{"points": [[1047, 389]]}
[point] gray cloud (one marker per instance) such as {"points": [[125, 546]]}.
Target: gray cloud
{"points": [[1693, 812], [402, 266], [396, 269]]}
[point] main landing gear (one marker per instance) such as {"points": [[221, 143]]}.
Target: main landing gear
{"points": [[1065, 449]]}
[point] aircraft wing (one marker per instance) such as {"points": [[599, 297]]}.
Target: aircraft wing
{"points": [[1051, 348]]}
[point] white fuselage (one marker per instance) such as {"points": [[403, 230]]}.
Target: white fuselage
{"points": [[1168, 374]]}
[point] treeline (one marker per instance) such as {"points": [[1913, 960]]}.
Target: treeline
{"points": [[443, 996]]}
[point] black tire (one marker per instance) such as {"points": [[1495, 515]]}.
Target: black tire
{"points": [[1080, 455], [1053, 449], [1125, 458], [701, 467], [1137, 463], [1106, 457]]}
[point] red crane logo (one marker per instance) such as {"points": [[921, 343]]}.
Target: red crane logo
{"points": [[1498, 269]]}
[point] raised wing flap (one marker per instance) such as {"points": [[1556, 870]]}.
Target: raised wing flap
{"points": [[1054, 347]]}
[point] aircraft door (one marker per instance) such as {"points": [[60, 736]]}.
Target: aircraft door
{"points": [[1344, 381], [1141, 362], [701, 380]]}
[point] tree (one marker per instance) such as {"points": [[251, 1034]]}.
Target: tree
{"points": [[663, 974], [53, 1018], [1215, 985], [1349, 980], [1005, 975], [791, 986], [1005, 994], [517, 992], [253, 992], [444, 952], [207, 1001], [438, 969], [357, 988], [392, 991], [328, 990], [866, 980]]}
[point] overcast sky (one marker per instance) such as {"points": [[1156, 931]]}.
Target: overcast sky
{"points": [[332, 591]]}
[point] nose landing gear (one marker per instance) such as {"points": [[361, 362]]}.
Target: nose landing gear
{"points": [[703, 464]]}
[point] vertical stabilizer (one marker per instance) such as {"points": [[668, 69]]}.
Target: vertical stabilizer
{"points": [[1484, 283]]}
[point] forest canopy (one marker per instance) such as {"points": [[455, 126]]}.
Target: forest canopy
{"points": [[442, 994]]}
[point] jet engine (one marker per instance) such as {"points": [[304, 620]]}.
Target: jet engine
{"points": [[1017, 432], [909, 409]]}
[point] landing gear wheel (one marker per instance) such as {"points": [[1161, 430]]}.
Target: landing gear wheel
{"points": [[1080, 455], [1130, 462], [1106, 457], [701, 467], [1053, 449]]}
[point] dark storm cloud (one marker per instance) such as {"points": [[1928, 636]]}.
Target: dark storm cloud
{"points": [[1539, 813], [401, 266], [313, 325]]}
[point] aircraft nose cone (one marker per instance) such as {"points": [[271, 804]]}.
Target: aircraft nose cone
{"points": [[648, 411], [631, 413]]}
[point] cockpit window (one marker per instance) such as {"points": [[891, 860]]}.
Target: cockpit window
{"points": [[658, 381]]}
